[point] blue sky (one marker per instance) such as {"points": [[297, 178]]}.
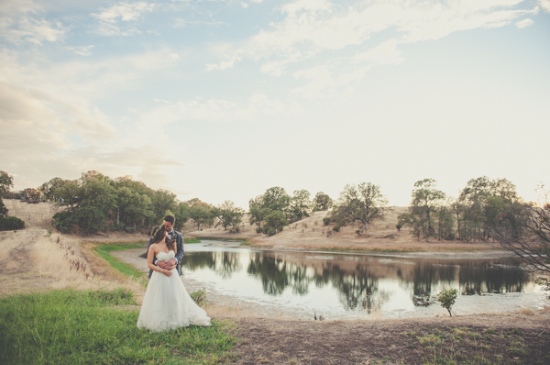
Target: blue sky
{"points": [[221, 100]]}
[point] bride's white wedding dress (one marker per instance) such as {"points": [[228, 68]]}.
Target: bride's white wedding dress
{"points": [[167, 305]]}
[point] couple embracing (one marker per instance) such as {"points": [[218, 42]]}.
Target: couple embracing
{"points": [[167, 305]]}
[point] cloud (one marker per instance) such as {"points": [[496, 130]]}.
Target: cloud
{"points": [[125, 12], [225, 64], [311, 31], [110, 19], [545, 5], [524, 23], [20, 23], [83, 51]]}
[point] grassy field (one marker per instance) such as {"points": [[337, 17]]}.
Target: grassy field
{"points": [[99, 327], [105, 250]]}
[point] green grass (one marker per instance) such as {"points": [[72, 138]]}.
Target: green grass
{"points": [[192, 240], [96, 327], [105, 250], [99, 327]]}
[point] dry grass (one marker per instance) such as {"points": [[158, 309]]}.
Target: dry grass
{"points": [[35, 259]]}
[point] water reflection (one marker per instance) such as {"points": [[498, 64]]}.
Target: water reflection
{"points": [[364, 284]]}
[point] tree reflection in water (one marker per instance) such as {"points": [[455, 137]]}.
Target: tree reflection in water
{"points": [[357, 278]]}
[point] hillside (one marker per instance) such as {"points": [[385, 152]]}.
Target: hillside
{"points": [[39, 259], [311, 234]]}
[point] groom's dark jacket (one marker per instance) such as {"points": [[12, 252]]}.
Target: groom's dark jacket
{"points": [[179, 246]]}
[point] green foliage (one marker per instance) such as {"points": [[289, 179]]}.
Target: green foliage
{"points": [[480, 205], [3, 209], [98, 327], [299, 206], [6, 182], [525, 231], [181, 212], [423, 215], [65, 222], [275, 199], [322, 202], [326, 221], [97, 203], [201, 212], [230, 215], [11, 223], [364, 202], [447, 299], [274, 223]]}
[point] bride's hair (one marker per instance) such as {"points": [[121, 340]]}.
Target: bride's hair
{"points": [[159, 233], [171, 244]]}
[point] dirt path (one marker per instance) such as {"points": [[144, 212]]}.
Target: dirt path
{"points": [[38, 258], [490, 339]]}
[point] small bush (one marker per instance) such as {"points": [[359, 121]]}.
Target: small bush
{"points": [[11, 223], [336, 228], [326, 221], [447, 299]]}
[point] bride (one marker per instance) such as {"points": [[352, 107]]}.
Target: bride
{"points": [[166, 304]]}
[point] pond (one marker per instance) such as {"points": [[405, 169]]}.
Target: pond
{"points": [[347, 286]]}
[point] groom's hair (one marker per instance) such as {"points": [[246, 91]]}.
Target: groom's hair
{"points": [[170, 218]]}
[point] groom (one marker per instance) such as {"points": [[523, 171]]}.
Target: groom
{"points": [[168, 224]]}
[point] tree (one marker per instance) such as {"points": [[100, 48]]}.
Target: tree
{"points": [[69, 194], [200, 212], [412, 220], [90, 204], [524, 229], [426, 201], [31, 195], [51, 188], [322, 202], [181, 212], [98, 203], [257, 212], [133, 211], [480, 203], [274, 199], [6, 182], [364, 202], [473, 199], [299, 205], [275, 221], [230, 215], [163, 202]]}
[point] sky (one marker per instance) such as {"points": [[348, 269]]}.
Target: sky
{"points": [[223, 99]]}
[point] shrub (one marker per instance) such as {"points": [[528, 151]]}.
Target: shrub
{"points": [[447, 299], [326, 221], [336, 228], [10, 223], [64, 222]]}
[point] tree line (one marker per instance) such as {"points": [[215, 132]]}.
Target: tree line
{"points": [[485, 210]]}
